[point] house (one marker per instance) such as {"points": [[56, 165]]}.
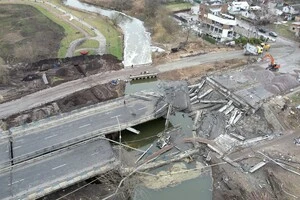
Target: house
{"points": [[255, 8], [216, 22], [295, 27], [249, 14], [290, 10], [235, 7]]}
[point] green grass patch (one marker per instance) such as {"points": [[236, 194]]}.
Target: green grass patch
{"points": [[174, 7], [89, 44], [114, 38], [209, 39], [71, 33], [295, 98]]}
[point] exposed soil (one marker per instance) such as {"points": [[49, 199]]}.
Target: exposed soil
{"points": [[196, 47], [57, 72], [201, 70], [27, 35], [77, 100]]}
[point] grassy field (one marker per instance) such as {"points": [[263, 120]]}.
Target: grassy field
{"points": [[114, 39], [27, 35], [89, 44], [283, 30], [173, 7], [71, 33]]}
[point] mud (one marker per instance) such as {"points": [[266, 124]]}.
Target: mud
{"points": [[57, 72], [91, 96]]}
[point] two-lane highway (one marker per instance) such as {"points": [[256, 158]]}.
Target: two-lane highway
{"points": [[32, 141], [52, 171]]}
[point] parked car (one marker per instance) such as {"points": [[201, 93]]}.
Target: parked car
{"points": [[273, 34], [262, 30]]}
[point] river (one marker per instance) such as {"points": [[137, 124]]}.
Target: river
{"points": [[137, 41], [199, 188]]}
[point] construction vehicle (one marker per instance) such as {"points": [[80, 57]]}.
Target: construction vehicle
{"points": [[272, 66], [265, 46], [250, 49]]}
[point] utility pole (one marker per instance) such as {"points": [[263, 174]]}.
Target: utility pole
{"points": [[120, 137]]}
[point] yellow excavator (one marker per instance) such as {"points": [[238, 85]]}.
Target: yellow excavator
{"points": [[265, 46], [272, 66]]}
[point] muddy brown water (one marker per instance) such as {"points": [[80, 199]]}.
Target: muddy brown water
{"points": [[199, 188]]}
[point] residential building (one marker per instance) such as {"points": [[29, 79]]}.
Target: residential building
{"points": [[286, 9], [238, 6], [290, 10], [295, 27], [216, 21]]}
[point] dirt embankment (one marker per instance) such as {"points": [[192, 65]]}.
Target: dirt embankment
{"points": [[27, 35], [77, 100], [24, 79]]}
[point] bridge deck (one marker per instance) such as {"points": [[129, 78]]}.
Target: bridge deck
{"points": [[47, 135], [51, 173]]}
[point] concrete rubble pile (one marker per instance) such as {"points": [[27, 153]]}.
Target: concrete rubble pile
{"points": [[176, 94], [216, 110]]}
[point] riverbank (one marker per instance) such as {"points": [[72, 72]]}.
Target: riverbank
{"points": [[112, 33]]}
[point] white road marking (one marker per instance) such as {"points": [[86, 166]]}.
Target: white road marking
{"points": [[94, 153], [84, 125], [108, 112], [142, 108], [20, 140], [51, 136], [17, 181], [17, 147], [115, 116], [54, 168]]}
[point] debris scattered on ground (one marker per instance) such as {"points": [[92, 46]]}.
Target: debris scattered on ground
{"points": [[27, 78]]}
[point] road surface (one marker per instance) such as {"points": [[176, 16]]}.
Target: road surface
{"points": [[51, 94], [56, 171], [38, 138], [284, 51]]}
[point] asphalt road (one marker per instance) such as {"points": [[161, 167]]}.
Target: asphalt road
{"points": [[54, 170], [198, 60], [284, 51], [4, 153], [33, 141], [51, 94]]}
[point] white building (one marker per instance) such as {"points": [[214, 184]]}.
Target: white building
{"points": [[216, 22], [290, 10], [238, 6]]}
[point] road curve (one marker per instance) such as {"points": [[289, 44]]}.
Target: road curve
{"points": [[99, 36]]}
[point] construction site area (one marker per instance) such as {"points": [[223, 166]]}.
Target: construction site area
{"points": [[238, 127], [196, 119]]}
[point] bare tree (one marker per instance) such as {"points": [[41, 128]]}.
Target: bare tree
{"points": [[3, 74], [117, 18], [151, 8], [121, 5]]}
